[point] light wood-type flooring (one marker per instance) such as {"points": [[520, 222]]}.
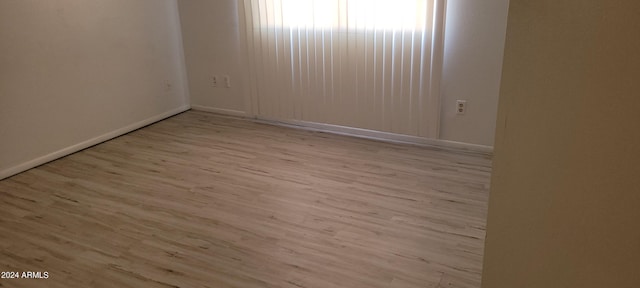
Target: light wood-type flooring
{"points": [[202, 200]]}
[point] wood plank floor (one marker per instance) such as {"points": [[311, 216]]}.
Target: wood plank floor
{"points": [[201, 200]]}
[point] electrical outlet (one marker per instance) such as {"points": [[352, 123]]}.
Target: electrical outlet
{"points": [[461, 107], [214, 81], [227, 81]]}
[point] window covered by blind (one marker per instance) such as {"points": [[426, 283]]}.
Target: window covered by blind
{"points": [[361, 63]]}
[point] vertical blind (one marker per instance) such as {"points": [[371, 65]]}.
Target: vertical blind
{"points": [[360, 63]]}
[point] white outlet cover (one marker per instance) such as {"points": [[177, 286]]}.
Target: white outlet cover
{"points": [[461, 107]]}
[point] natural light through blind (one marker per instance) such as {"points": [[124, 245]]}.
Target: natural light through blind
{"points": [[359, 14], [359, 63]]}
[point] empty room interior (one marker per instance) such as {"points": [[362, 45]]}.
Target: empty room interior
{"points": [[320, 143]]}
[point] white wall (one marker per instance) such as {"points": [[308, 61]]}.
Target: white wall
{"points": [[474, 41], [212, 47], [75, 72], [565, 192], [474, 45]]}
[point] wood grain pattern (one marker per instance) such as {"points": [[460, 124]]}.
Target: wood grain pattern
{"points": [[201, 200]]}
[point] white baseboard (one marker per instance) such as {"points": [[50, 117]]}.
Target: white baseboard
{"points": [[358, 132], [88, 143], [219, 110], [382, 136]]}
